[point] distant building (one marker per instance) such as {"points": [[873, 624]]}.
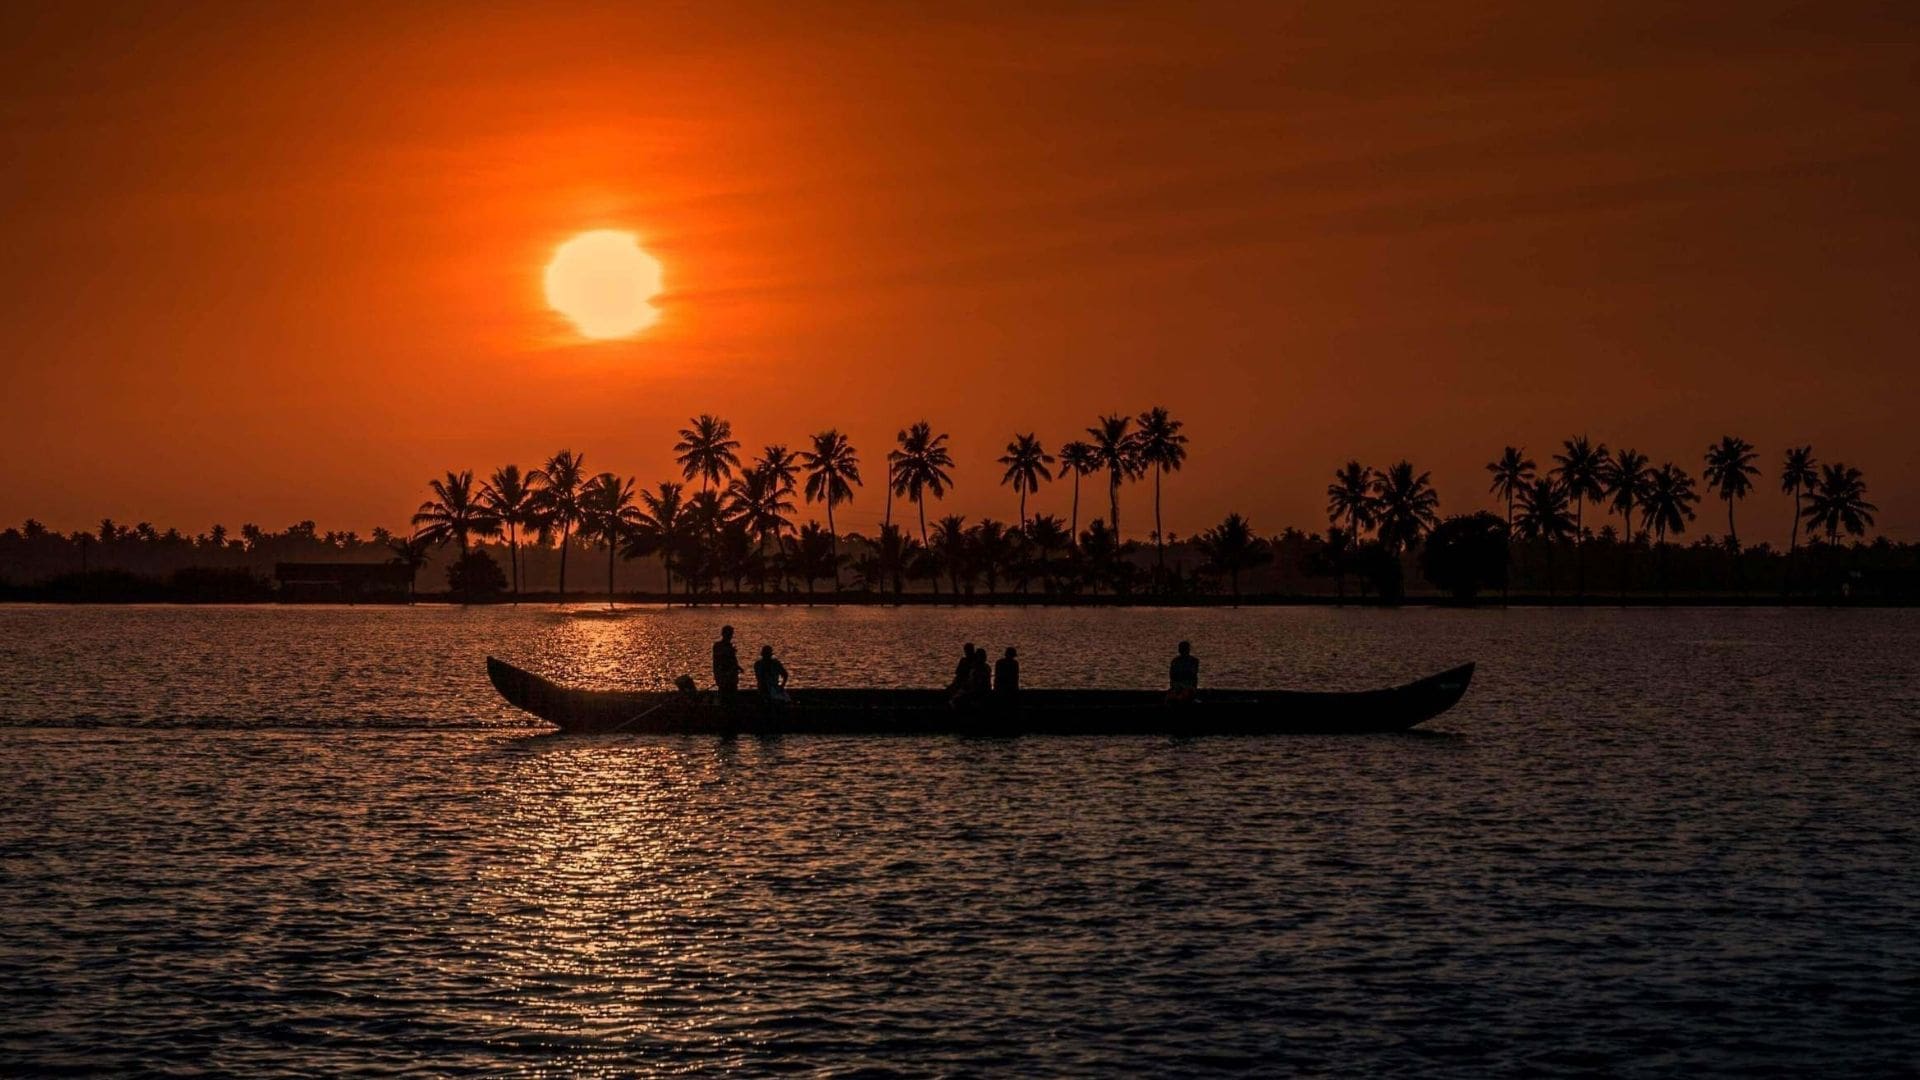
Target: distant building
{"points": [[342, 583]]}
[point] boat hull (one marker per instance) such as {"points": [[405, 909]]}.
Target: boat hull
{"points": [[932, 712]]}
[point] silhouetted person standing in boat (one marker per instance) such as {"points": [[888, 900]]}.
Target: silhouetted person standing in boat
{"points": [[726, 666], [771, 675], [1183, 675], [1006, 676]]}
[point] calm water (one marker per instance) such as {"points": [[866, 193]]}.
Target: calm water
{"points": [[1654, 843]]}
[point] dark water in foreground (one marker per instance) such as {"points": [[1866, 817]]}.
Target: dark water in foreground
{"points": [[1649, 842]]}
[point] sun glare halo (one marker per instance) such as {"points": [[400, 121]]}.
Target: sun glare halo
{"points": [[603, 283]]}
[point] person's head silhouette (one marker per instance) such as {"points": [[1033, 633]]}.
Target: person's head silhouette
{"points": [[1186, 648], [726, 633], [766, 652]]}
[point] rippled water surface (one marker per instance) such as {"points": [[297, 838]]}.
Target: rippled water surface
{"points": [[311, 841]]}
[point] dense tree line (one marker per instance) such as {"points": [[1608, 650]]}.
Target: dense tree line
{"points": [[728, 526]]}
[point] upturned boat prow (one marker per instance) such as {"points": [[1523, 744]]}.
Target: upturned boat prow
{"points": [[932, 712]]}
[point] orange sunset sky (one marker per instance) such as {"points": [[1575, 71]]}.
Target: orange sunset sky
{"points": [[266, 262]]}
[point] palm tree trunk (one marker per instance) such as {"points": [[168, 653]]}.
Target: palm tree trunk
{"points": [[1793, 541], [1504, 581], [1626, 553], [513, 559], [833, 542], [565, 528], [1580, 544], [1113, 505], [933, 579], [610, 552], [1159, 537], [1023, 509], [1073, 527]]}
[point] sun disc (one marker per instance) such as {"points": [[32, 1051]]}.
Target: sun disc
{"points": [[604, 284]]}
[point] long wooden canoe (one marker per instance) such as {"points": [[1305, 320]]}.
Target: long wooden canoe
{"points": [[1037, 712]]}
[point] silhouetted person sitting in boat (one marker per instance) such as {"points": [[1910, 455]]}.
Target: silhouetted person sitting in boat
{"points": [[771, 674], [726, 666], [1183, 675], [963, 671], [1006, 676], [980, 679]]}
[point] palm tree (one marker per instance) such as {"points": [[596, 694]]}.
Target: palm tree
{"points": [[1797, 478], [1349, 496], [411, 553], [561, 479], [1580, 468], [1627, 477], [1047, 536], [1669, 506], [813, 556], [1543, 517], [921, 468], [1080, 459], [707, 450], [659, 528], [1512, 472], [1159, 446], [832, 471], [1407, 506], [513, 499], [1840, 503], [1027, 464], [1113, 448], [950, 540], [1730, 471], [455, 512], [1231, 547], [607, 513], [757, 503], [991, 544]]}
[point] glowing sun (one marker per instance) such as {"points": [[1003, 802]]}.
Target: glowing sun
{"points": [[602, 282]]}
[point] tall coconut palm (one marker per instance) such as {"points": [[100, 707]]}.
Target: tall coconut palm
{"points": [[608, 515], [1798, 475], [1159, 446], [561, 480], [659, 528], [1840, 503], [1730, 472], [1627, 477], [1543, 517], [922, 468], [456, 512], [1668, 505], [1350, 496], [1408, 506], [833, 470], [514, 500], [1581, 467], [1027, 465], [758, 503], [1080, 459], [1113, 448], [707, 450], [1512, 472]]}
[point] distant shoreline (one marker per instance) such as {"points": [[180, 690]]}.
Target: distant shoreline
{"points": [[588, 602]]}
